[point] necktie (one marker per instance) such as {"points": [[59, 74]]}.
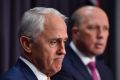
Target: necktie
{"points": [[92, 67]]}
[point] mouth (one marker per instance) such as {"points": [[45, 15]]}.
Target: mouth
{"points": [[59, 59], [58, 63], [99, 45]]}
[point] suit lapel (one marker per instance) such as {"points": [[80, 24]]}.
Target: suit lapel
{"points": [[101, 70], [29, 75], [79, 66]]}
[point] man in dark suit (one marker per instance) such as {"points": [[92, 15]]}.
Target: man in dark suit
{"points": [[90, 31], [42, 36]]}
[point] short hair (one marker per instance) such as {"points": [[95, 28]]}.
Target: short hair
{"points": [[75, 20], [33, 21]]}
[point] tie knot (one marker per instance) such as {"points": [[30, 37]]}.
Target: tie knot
{"points": [[92, 65]]}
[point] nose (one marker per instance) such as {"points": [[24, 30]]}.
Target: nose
{"points": [[61, 48], [100, 34]]}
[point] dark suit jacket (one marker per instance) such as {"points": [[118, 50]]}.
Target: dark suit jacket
{"points": [[74, 69], [19, 72]]}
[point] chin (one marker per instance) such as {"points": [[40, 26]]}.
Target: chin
{"points": [[100, 52], [56, 69]]}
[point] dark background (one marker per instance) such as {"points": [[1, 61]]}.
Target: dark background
{"points": [[11, 12]]}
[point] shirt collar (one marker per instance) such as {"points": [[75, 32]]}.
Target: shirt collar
{"points": [[84, 58], [39, 75]]}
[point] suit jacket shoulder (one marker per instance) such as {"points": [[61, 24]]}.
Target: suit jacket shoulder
{"points": [[19, 72]]}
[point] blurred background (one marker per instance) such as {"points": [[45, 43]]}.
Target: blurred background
{"points": [[11, 12]]}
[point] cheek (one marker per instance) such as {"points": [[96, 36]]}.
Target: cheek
{"points": [[87, 38], [55, 60], [43, 54], [47, 59], [50, 55], [106, 37]]}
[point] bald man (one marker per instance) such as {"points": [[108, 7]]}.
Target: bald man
{"points": [[90, 31]]}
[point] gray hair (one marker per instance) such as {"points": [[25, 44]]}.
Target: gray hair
{"points": [[34, 19]]}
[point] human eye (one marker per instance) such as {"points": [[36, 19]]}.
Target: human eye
{"points": [[65, 41], [53, 43], [106, 28], [91, 27]]}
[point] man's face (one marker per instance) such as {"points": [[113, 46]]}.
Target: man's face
{"points": [[48, 50], [93, 34]]}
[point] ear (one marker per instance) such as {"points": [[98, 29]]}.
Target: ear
{"points": [[26, 43]]}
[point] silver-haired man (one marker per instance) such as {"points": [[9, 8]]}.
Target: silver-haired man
{"points": [[42, 37]]}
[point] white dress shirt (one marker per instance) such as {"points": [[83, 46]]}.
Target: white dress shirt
{"points": [[84, 58], [38, 74]]}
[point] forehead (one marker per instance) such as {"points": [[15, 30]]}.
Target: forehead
{"points": [[92, 13], [55, 27], [96, 18]]}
